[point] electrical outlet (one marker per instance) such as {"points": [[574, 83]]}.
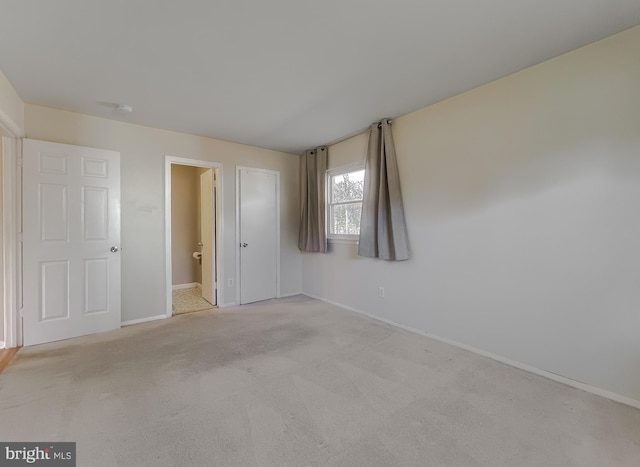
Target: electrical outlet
{"points": [[229, 282], [381, 292]]}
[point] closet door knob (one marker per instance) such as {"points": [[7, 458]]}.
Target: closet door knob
{"points": [[114, 249], [244, 245]]}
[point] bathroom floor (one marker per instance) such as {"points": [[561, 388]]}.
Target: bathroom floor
{"points": [[188, 300]]}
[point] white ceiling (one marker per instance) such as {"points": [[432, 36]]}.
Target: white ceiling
{"points": [[281, 74]]}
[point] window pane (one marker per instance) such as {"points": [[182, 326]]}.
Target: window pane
{"points": [[347, 187], [345, 219]]}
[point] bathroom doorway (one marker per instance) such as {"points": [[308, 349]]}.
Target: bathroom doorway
{"points": [[192, 235]]}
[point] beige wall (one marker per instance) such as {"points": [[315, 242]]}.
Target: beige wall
{"points": [[522, 200], [11, 107], [143, 151], [185, 223]]}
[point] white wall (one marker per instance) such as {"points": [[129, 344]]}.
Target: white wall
{"points": [[522, 200], [143, 151]]}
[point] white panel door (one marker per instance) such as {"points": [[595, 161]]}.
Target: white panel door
{"points": [[258, 234], [207, 235], [71, 204]]}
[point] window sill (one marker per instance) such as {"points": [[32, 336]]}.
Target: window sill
{"points": [[346, 241]]}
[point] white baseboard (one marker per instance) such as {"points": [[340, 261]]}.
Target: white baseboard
{"points": [[227, 305], [522, 366], [142, 320], [290, 294], [1, 344], [186, 286]]}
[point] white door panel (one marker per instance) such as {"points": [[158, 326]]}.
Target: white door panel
{"points": [[207, 235], [258, 235], [71, 203]]}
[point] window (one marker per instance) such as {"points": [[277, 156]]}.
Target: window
{"points": [[345, 187]]}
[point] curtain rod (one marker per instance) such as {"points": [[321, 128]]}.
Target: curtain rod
{"points": [[356, 133]]}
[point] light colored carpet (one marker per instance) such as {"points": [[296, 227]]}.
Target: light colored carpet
{"points": [[297, 382], [188, 300]]}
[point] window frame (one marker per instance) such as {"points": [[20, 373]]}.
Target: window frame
{"points": [[340, 170]]}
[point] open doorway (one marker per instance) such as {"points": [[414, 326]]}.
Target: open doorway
{"points": [[193, 236]]}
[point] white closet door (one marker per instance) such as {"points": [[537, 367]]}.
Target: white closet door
{"points": [[258, 234]]}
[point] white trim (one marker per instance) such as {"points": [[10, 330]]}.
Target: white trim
{"points": [[1, 344], [11, 222], [191, 285], [167, 224], [237, 243], [11, 236], [9, 125], [227, 305], [344, 241], [522, 366], [142, 320], [290, 294], [236, 246], [277, 233]]}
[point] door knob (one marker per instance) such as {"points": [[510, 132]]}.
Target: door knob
{"points": [[244, 245], [114, 249]]}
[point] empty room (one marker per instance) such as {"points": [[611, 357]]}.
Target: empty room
{"points": [[296, 233]]}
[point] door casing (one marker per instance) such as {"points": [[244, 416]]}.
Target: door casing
{"points": [[11, 234], [219, 222]]}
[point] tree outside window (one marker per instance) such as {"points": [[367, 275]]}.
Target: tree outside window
{"points": [[346, 189]]}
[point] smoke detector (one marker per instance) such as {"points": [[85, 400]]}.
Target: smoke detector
{"points": [[124, 108]]}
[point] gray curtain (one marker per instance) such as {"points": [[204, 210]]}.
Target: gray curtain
{"points": [[383, 232], [313, 168]]}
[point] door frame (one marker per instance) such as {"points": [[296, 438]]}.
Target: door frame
{"points": [[239, 168], [169, 160], [11, 225]]}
